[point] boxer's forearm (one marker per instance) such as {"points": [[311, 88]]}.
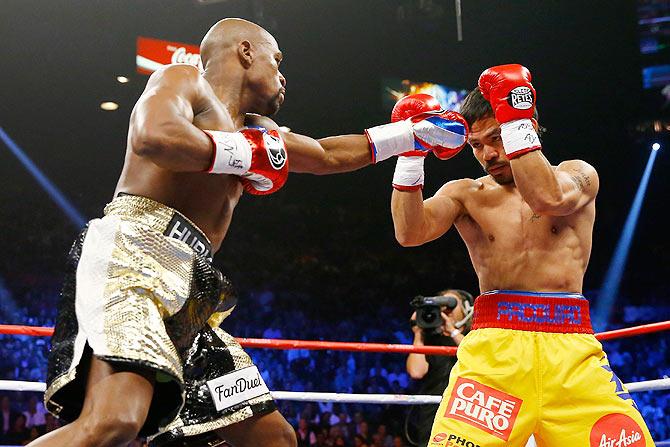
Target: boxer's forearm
{"points": [[537, 182], [330, 155], [409, 221]]}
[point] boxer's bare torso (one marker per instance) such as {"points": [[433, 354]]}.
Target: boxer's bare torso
{"points": [[511, 247], [208, 200], [527, 225]]}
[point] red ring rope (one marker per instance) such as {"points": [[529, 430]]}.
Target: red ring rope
{"points": [[37, 331]]}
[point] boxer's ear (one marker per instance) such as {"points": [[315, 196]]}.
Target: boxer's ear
{"points": [[245, 53]]}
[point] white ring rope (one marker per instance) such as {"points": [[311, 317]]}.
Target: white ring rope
{"points": [[396, 399]]}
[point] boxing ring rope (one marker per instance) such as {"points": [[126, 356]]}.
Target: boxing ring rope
{"points": [[38, 331], [347, 398], [398, 399]]}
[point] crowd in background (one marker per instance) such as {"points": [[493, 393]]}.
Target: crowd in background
{"points": [[301, 317]]}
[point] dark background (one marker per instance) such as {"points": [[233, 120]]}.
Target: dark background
{"points": [[327, 234]]}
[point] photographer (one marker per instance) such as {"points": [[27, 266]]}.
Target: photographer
{"points": [[436, 322]]}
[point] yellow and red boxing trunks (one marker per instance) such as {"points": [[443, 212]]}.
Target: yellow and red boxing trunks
{"points": [[531, 365]]}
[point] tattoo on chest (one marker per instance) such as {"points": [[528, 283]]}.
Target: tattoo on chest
{"points": [[534, 217]]}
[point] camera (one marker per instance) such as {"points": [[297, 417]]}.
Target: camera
{"points": [[428, 309]]}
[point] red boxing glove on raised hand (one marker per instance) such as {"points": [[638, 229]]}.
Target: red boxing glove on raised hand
{"points": [[512, 98], [408, 175], [423, 107], [413, 105], [508, 89], [434, 130]]}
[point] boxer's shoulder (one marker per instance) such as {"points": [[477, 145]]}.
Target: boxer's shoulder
{"points": [[576, 165], [461, 188], [182, 77], [584, 175], [176, 73]]}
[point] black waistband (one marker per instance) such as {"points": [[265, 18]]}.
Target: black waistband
{"points": [[181, 228]]}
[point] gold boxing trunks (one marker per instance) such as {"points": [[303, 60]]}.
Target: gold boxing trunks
{"points": [[139, 288]]}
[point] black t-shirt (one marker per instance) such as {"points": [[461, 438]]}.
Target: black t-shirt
{"points": [[434, 382]]}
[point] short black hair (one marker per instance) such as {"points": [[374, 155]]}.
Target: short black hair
{"points": [[476, 107]]}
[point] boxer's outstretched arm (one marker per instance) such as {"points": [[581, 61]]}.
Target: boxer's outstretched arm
{"points": [[417, 221], [161, 124], [329, 155], [554, 191]]}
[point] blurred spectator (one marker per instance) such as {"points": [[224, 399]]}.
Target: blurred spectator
{"points": [[360, 441], [306, 437], [35, 414], [18, 433], [8, 416]]}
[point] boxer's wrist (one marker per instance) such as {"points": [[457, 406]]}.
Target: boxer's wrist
{"points": [[408, 174], [519, 137], [231, 153], [454, 333], [391, 139]]}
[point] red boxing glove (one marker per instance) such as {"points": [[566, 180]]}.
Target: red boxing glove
{"points": [[512, 98], [442, 132], [257, 156], [269, 162], [508, 89], [444, 152], [412, 105]]}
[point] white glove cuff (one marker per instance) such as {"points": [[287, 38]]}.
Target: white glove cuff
{"points": [[519, 137], [391, 139], [232, 153], [408, 175]]}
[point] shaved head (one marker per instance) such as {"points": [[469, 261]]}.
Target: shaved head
{"points": [[227, 34], [241, 61]]}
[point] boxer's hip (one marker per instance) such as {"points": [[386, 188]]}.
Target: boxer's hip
{"points": [[139, 287]]}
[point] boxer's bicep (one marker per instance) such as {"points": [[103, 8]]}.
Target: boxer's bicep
{"points": [[442, 210], [162, 126]]}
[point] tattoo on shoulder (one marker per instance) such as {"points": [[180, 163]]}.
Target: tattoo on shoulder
{"points": [[580, 179]]}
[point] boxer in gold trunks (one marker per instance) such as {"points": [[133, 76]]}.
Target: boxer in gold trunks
{"points": [[531, 364], [137, 335]]}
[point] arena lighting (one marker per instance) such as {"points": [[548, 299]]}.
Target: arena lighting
{"points": [[122, 79], [610, 287], [109, 106], [56, 195]]}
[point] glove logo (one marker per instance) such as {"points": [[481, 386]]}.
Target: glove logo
{"points": [[276, 151], [521, 98]]}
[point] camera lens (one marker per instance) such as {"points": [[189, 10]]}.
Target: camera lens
{"points": [[430, 316]]}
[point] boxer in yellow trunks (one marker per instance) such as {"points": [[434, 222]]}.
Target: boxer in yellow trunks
{"points": [[531, 364]]}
